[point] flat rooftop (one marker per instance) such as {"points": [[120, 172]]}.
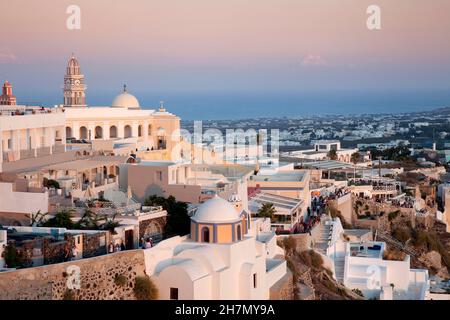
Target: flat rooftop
{"points": [[327, 165], [277, 201], [156, 163], [294, 175]]}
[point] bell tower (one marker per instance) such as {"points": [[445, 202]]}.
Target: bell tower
{"points": [[74, 87]]}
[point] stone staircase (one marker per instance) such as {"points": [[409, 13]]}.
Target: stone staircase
{"points": [[321, 241], [394, 242]]}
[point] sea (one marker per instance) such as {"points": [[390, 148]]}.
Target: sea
{"points": [[254, 105]]}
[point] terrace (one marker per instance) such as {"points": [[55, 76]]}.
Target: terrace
{"points": [[367, 250]]}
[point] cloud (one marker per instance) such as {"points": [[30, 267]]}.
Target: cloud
{"points": [[313, 60], [6, 57]]}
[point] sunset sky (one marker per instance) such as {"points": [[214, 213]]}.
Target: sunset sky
{"points": [[235, 46]]}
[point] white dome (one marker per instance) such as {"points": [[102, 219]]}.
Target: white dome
{"points": [[125, 100], [216, 210]]}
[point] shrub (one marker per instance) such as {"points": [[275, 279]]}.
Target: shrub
{"points": [[120, 280], [69, 295], [401, 234], [289, 244], [13, 258], [392, 215], [145, 289], [311, 259], [358, 292], [394, 255], [316, 259], [49, 183]]}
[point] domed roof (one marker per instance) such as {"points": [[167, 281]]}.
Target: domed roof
{"points": [[216, 210], [125, 100]]}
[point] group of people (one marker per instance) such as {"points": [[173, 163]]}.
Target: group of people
{"points": [[146, 243], [116, 247]]}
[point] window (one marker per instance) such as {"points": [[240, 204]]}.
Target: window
{"points": [[239, 233], [159, 175], [9, 144], [254, 280], [173, 293]]}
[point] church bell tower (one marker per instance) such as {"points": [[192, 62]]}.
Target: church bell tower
{"points": [[74, 87]]}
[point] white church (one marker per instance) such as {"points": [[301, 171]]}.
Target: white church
{"points": [[228, 255], [122, 120]]}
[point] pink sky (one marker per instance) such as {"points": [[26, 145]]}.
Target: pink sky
{"points": [[232, 44]]}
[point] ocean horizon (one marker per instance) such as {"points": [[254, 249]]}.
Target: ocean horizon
{"points": [[234, 106]]}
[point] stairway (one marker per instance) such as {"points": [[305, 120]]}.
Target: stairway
{"points": [[339, 267], [321, 241], [394, 242]]}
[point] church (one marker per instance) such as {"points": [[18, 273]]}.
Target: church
{"points": [[228, 255], [124, 120]]}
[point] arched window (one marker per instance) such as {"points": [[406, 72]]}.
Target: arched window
{"points": [[149, 129], [98, 132], [140, 131], [239, 233], [83, 133], [128, 131], [205, 234], [113, 132]]}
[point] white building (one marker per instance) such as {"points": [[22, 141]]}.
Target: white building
{"points": [[226, 256], [321, 151], [30, 132], [124, 121], [362, 266]]}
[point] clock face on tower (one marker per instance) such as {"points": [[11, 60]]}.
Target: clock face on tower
{"points": [[77, 82]]}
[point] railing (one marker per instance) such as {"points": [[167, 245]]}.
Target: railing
{"points": [[384, 236]]}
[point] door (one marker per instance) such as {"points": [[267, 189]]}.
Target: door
{"points": [[129, 241]]}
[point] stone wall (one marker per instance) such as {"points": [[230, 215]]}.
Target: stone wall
{"points": [[283, 289], [97, 279], [94, 244]]}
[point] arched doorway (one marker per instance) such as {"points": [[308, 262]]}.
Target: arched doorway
{"points": [[161, 133], [98, 132], [83, 133], [128, 132], [140, 131], [113, 132], [68, 132], [205, 234]]}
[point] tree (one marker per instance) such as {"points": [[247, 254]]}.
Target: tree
{"points": [[267, 210], [12, 256], [88, 221], [110, 223], [178, 220], [355, 157], [62, 219], [38, 218], [332, 154]]}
